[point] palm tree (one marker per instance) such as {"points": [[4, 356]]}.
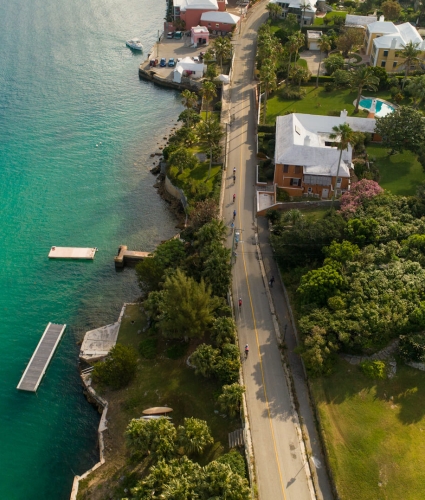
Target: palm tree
{"points": [[210, 132], [231, 398], [208, 92], [292, 47], [344, 134], [223, 49], [410, 54], [194, 435], [299, 75], [268, 80], [189, 99], [363, 78], [324, 46], [275, 10], [416, 88], [304, 6]]}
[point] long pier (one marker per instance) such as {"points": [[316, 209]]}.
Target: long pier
{"points": [[41, 358]]}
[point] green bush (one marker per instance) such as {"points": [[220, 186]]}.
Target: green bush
{"points": [[267, 128], [177, 350], [217, 106], [373, 369], [235, 461], [148, 348], [329, 87], [292, 93], [412, 347], [118, 369]]}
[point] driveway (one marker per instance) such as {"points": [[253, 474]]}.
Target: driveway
{"points": [[313, 60]]}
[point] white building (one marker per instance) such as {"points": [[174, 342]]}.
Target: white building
{"points": [[188, 67], [296, 7]]}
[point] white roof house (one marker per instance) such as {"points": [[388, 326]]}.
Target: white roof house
{"points": [[220, 17], [296, 4], [195, 4], [188, 64], [354, 21], [403, 34], [304, 140]]}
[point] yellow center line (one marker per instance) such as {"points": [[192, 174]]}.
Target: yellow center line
{"points": [[254, 320]]}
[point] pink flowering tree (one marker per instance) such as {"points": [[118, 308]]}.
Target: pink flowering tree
{"points": [[359, 192]]}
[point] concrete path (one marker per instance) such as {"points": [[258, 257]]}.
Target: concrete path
{"points": [[313, 60], [282, 470]]}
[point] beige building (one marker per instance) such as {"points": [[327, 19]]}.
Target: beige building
{"points": [[384, 41]]}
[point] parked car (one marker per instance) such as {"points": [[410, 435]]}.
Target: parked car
{"points": [[163, 62], [170, 34], [196, 59], [153, 62], [171, 62], [178, 34]]}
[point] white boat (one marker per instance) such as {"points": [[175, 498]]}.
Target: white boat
{"points": [[134, 44]]}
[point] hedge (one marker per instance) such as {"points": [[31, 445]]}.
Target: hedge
{"points": [[267, 128], [322, 79]]}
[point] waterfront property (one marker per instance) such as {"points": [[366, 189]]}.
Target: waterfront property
{"points": [[190, 11], [224, 22], [306, 159], [41, 358]]}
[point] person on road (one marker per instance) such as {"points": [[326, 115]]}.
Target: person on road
{"points": [[246, 350], [234, 170], [271, 282], [240, 302], [234, 214], [234, 198]]}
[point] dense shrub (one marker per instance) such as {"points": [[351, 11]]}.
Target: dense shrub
{"points": [[235, 461], [412, 347], [118, 369], [148, 348], [291, 93], [373, 369]]}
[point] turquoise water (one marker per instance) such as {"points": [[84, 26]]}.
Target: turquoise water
{"points": [[382, 108], [67, 83]]}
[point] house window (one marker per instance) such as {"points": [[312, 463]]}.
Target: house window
{"points": [[395, 64], [298, 169], [217, 25], [383, 64], [385, 53], [329, 143], [338, 182], [309, 190], [295, 182], [285, 169]]}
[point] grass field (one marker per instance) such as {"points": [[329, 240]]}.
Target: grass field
{"points": [[330, 16], [159, 382], [375, 433], [317, 102], [400, 173]]}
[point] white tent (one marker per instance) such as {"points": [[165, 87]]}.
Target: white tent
{"points": [[196, 69], [223, 78]]}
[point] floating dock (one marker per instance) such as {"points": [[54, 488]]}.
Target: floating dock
{"points": [[72, 253], [41, 358], [130, 256]]}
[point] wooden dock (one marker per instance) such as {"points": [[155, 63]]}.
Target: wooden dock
{"points": [[41, 358], [72, 253], [130, 256]]}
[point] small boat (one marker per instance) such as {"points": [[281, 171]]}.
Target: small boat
{"points": [[134, 44], [156, 410], [154, 417]]}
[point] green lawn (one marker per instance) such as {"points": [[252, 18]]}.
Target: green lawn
{"points": [[330, 16], [374, 432], [317, 102], [399, 173]]}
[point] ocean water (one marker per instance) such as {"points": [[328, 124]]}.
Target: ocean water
{"points": [[67, 84]]}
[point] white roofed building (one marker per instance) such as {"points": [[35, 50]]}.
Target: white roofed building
{"points": [[384, 41], [296, 7], [190, 11], [306, 159], [188, 67], [220, 21]]}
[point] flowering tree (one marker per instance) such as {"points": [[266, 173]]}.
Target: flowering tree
{"points": [[359, 192]]}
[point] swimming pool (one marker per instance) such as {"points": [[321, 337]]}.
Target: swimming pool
{"points": [[382, 108]]}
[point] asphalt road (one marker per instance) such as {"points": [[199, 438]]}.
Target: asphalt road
{"points": [[281, 469]]}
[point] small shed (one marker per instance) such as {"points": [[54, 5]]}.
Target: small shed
{"points": [[199, 35], [187, 66], [313, 39]]}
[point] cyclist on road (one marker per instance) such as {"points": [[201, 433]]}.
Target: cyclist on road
{"points": [[246, 350], [234, 214], [240, 302], [234, 198], [234, 178]]}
